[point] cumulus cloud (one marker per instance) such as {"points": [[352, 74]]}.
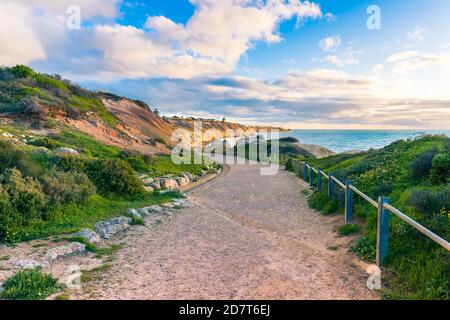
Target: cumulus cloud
{"points": [[211, 42], [330, 43], [18, 40]]}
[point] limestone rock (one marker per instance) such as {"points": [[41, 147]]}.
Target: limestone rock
{"points": [[108, 228], [169, 184], [89, 235], [68, 151], [28, 264], [154, 209], [135, 213], [149, 188], [61, 251]]}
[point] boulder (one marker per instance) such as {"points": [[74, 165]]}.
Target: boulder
{"points": [[149, 188], [147, 181], [156, 185], [169, 184], [108, 228], [135, 213], [168, 205], [182, 181], [180, 202], [61, 251], [90, 235], [68, 151], [154, 209]]}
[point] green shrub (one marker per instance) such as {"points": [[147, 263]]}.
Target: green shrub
{"points": [[64, 187], [25, 195], [114, 176], [29, 285], [440, 172], [12, 157], [420, 167], [366, 246], [320, 202], [348, 229], [430, 201], [46, 142], [71, 163], [21, 71]]}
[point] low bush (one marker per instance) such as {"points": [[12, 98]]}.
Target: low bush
{"points": [[29, 285], [430, 201], [114, 176], [348, 229], [13, 157], [25, 194], [320, 202], [440, 171], [420, 167], [64, 187]]}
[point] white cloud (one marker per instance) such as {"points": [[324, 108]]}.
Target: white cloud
{"points": [[341, 61], [330, 43], [18, 40], [406, 62], [418, 34], [378, 69], [211, 42]]}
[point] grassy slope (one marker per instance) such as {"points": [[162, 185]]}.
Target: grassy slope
{"points": [[417, 268], [20, 84]]}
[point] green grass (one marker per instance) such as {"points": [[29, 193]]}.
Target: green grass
{"points": [[91, 147], [5, 258], [30, 285], [71, 218], [94, 274], [348, 229]]}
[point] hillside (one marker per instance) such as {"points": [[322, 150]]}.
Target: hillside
{"points": [[415, 174], [49, 105]]}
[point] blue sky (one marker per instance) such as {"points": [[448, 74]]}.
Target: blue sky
{"points": [[293, 63]]}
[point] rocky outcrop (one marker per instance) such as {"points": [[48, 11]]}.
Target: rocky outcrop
{"points": [[89, 235], [108, 228]]}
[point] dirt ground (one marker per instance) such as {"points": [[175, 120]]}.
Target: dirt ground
{"points": [[244, 236]]}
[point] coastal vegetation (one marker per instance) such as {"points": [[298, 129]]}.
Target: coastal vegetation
{"points": [[415, 174], [56, 179]]}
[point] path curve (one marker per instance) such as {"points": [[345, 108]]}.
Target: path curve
{"points": [[244, 236]]}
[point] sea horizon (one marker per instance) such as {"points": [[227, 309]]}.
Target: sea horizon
{"points": [[341, 140]]}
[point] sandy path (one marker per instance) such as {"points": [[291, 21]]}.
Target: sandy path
{"points": [[245, 236]]}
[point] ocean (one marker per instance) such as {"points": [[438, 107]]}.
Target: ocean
{"points": [[349, 140]]}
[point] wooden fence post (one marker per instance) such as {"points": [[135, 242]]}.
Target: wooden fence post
{"points": [[330, 186], [319, 179], [311, 177], [348, 202], [382, 231]]}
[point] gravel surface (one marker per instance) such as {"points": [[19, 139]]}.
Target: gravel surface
{"points": [[244, 236]]}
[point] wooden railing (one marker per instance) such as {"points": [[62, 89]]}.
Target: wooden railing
{"points": [[382, 205]]}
